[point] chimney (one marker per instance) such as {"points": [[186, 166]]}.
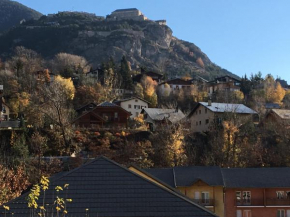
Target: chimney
{"points": [[209, 102]]}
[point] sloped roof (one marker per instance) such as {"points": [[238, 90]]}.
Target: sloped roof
{"points": [[9, 124], [272, 106], [225, 107], [164, 174], [127, 99], [158, 114], [282, 113], [108, 189], [257, 177], [107, 104], [187, 176]]}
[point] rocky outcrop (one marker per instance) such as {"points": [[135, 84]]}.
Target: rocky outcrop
{"points": [[144, 43]]}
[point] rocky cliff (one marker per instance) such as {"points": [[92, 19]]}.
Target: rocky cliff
{"points": [[144, 43]]}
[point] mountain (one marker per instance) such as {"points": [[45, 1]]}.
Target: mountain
{"points": [[12, 13], [145, 43]]}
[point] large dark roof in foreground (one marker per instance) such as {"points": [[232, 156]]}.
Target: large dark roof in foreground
{"points": [[257, 177], [108, 189]]}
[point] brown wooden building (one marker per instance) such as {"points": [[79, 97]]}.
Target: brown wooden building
{"points": [[104, 115]]}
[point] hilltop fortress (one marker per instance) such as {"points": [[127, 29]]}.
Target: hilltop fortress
{"points": [[130, 14]]}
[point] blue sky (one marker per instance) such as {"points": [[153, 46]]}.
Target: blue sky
{"points": [[242, 36]]}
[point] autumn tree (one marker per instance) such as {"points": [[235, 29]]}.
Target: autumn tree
{"points": [[68, 64], [56, 106]]}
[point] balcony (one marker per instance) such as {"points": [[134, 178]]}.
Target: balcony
{"points": [[204, 202], [251, 202], [277, 202]]}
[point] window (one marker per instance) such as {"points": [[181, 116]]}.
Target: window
{"points": [[280, 213], [238, 197], [137, 113], [280, 194], [199, 111], [199, 122], [246, 197], [136, 106], [206, 121], [205, 197], [205, 110], [136, 100], [247, 213], [116, 115], [129, 106], [239, 213]]}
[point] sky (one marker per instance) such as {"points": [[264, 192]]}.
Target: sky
{"points": [[242, 36]]}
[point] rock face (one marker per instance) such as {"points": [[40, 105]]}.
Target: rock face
{"points": [[12, 13], [144, 43]]}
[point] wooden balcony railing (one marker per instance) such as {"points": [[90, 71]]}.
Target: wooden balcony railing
{"points": [[204, 202]]}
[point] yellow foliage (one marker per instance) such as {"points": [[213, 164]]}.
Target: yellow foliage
{"points": [[67, 86], [149, 85]]}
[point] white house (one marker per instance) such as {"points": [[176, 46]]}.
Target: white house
{"points": [[205, 113], [133, 105]]}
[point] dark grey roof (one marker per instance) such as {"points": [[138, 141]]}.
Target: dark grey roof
{"points": [[257, 177], [107, 104], [187, 176], [126, 9], [9, 124], [108, 189], [164, 174], [272, 106]]}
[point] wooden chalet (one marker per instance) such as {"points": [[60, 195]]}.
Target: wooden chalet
{"points": [[104, 115]]}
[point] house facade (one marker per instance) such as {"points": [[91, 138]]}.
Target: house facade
{"points": [[278, 117], [251, 192], [104, 115], [134, 105], [175, 85], [206, 113], [4, 111], [225, 83]]}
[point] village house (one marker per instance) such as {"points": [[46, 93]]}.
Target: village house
{"points": [[154, 75], [104, 115], [205, 114], [203, 185], [155, 117], [104, 188], [278, 117], [225, 83], [177, 84], [134, 105], [251, 192]]}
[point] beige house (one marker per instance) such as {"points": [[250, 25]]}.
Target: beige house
{"points": [[133, 105], [205, 113]]}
